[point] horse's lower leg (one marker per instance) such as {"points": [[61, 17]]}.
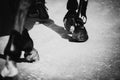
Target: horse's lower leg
{"points": [[12, 50], [21, 15]]}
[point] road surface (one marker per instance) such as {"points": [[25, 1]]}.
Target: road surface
{"points": [[96, 59]]}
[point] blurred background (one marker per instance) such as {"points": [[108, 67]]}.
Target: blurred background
{"points": [[96, 59]]}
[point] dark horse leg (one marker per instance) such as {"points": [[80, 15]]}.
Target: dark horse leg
{"points": [[13, 48], [75, 19]]}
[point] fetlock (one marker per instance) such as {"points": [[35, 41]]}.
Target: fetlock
{"points": [[69, 20]]}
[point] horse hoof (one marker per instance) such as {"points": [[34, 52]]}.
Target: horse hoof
{"points": [[80, 35], [9, 70], [32, 56]]}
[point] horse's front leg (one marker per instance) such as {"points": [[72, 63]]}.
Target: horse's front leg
{"points": [[27, 43]]}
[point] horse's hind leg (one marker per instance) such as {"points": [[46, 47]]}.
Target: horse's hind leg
{"points": [[21, 15]]}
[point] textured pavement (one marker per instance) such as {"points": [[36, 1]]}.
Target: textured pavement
{"points": [[96, 59]]}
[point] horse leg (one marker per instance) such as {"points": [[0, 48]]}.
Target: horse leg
{"points": [[21, 15], [27, 41], [13, 48], [31, 54], [12, 53]]}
